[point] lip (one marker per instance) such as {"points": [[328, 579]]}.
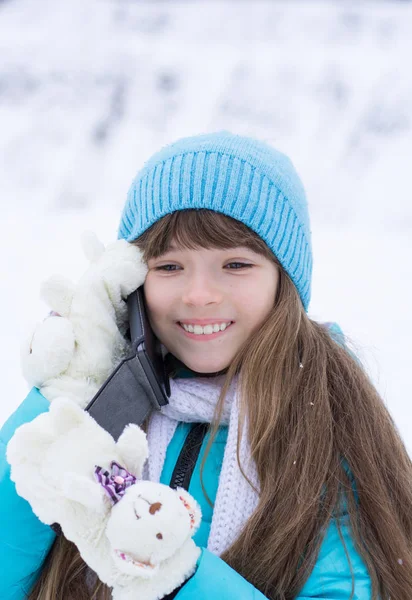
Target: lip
{"points": [[203, 337], [127, 557], [205, 321]]}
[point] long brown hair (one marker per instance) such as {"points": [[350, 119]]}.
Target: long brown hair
{"points": [[321, 437]]}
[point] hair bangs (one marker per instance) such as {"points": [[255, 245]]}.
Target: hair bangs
{"points": [[194, 229]]}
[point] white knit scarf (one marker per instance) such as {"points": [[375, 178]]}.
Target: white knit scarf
{"points": [[193, 401]]}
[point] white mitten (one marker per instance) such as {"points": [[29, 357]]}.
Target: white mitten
{"points": [[73, 351], [136, 535], [150, 533]]}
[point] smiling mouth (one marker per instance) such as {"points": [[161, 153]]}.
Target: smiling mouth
{"points": [[130, 559], [209, 333]]}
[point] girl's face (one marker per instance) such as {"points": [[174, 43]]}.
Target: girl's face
{"points": [[208, 287]]}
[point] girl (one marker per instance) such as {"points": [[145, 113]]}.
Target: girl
{"points": [[304, 483]]}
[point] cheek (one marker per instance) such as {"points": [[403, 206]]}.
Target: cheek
{"points": [[260, 304], [155, 296], [119, 522], [260, 301], [159, 303]]}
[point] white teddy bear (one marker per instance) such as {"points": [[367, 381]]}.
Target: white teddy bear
{"points": [[73, 351], [136, 535]]}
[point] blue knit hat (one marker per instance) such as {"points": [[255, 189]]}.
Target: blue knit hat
{"points": [[238, 176]]}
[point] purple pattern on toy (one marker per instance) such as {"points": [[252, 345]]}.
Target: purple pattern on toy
{"points": [[116, 482]]}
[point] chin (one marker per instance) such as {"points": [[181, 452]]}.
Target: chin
{"points": [[205, 368]]}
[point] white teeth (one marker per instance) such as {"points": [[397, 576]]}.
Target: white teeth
{"points": [[207, 329]]}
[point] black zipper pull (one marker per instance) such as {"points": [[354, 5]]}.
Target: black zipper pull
{"points": [[186, 462], [183, 471]]}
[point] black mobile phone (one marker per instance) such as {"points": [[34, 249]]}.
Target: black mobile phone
{"points": [[140, 383]]}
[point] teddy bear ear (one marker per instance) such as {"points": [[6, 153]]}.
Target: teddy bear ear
{"points": [[192, 507], [133, 448], [93, 248]]}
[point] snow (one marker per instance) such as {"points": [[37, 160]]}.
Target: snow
{"points": [[89, 90]]}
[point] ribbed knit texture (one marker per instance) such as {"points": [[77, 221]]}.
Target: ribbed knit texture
{"points": [[238, 176], [193, 401]]}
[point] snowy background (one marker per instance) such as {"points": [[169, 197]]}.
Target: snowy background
{"points": [[88, 90]]}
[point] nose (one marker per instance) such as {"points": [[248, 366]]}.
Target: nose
{"points": [[201, 290]]}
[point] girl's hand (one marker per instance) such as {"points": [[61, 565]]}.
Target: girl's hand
{"points": [[74, 350], [136, 535], [53, 459]]}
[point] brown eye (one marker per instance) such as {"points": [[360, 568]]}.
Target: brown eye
{"points": [[159, 536]]}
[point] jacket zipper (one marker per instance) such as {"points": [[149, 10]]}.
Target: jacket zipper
{"points": [[183, 471], [186, 462]]}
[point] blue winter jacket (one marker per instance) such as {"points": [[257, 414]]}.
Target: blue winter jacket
{"points": [[25, 541]]}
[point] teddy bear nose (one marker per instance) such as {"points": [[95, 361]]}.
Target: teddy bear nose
{"points": [[154, 508]]}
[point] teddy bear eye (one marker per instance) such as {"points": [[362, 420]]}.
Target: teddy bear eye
{"points": [[159, 536]]}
